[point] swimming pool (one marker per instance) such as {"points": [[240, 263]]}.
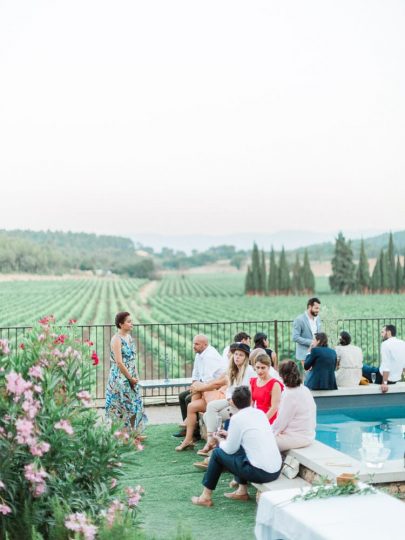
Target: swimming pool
{"points": [[342, 429]]}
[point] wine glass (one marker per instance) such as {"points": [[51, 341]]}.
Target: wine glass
{"points": [[373, 377]]}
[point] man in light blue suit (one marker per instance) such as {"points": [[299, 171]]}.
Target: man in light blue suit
{"points": [[305, 327]]}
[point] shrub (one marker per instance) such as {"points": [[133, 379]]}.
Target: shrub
{"points": [[60, 463]]}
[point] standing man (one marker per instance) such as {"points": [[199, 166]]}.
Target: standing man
{"points": [[209, 366], [392, 359], [305, 327]]}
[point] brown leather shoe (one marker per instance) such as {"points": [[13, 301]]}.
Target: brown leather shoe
{"points": [[201, 502], [237, 496], [201, 465]]}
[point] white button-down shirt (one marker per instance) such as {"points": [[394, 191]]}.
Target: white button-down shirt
{"points": [[250, 428], [393, 358], [208, 365]]}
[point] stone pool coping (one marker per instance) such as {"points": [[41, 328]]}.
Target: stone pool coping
{"points": [[359, 390]]}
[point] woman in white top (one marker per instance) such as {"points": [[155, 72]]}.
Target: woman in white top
{"points": [[239, 374], [295, 424], [350, 362]]}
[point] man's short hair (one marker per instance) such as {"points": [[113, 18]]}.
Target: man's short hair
{"points": [[242, 397], [240, 336], [391, 328], [313, 301]]}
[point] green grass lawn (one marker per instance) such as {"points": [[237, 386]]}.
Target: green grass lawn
{"points": [[170, 480]]}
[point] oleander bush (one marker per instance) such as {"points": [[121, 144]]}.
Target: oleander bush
{"points": [[60, 463]]}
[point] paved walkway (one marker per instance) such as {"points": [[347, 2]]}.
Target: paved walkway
{"points": [[163, 414]]}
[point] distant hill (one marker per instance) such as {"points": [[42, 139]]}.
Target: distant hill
{"points": [[55, 252], [373, 245]]}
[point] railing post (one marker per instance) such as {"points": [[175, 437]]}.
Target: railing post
{"points": [[276, 338]]}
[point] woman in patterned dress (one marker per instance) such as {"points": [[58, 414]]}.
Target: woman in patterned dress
{"points": [[123, 398]]}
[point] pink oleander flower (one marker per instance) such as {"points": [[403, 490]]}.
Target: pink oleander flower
{"points": [[116, 506], [88, 342], [81, 523], [140, 447], [134, 496], [22, 346], [36, 476], [39, 449], [4, 509], [65, 426], [84, 397], [56, 353], [60, 339], [24, 431], [31, 408], [4, 348], [46, 320], [41, 337], [62, 363], [16, 384], [36, 372], [113, 483], [38, 388], [72, 321]]}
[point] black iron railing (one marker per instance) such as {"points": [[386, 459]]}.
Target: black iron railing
{"points": [[165, 350]]}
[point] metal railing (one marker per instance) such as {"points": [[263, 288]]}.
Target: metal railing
{"points": [[165, 350]]}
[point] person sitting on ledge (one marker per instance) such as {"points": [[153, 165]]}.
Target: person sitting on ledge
{"points": [[350, 362], [266, 390], [248, 450], [392, 359], [295, 424], [321, 363]]}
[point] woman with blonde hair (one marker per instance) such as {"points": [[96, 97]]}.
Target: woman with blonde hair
{"points": [[239, 374]]}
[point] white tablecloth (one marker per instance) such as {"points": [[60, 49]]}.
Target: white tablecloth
{"points": [[376, 516]]}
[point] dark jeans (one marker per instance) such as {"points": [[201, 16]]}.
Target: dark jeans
{"points": [[239, 465], [184, 400], [368, 370]]}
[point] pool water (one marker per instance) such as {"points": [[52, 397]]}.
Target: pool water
{"points": [[343, 429]]}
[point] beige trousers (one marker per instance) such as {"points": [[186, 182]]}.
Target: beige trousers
{"points": [[288, 442], [217, 410]]}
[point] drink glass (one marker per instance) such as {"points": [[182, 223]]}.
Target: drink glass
{"points": [[373, 377]]}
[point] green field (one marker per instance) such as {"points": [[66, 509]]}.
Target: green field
{"points": [[193, 298]]}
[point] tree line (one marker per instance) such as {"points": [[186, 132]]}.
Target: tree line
{"points": [[388, 275], [278, 277]]}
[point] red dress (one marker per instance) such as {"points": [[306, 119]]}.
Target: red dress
{"points": [[261, 395]]}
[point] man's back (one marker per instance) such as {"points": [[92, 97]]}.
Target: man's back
{"points": [[393, 358]]}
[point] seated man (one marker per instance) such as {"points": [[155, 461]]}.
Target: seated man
{"points": [[392, 359], [248, 450]]}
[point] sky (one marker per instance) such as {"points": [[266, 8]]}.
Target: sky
{"points": [[218, 117]]}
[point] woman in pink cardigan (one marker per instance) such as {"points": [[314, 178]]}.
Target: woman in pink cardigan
{"points": [[295, 424]]}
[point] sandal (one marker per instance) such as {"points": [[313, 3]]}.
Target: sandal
{"points": [[186, 446], [206, 451], [201, 502], [237, 496]]}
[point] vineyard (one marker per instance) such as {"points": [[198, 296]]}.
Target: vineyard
{"points": [[178, 307]]}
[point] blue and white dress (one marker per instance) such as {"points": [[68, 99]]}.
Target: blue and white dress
{"points": [[121, 401]]}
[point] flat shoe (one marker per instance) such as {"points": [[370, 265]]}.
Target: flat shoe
{"points": [[201, 502], [142, 437], [201, 465], [181, 433], [233, 484], [237, 496], [202, 453]]}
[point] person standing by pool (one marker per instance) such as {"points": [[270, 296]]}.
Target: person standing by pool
{"points": [[392, 359], [305, 327], [123, 399]]}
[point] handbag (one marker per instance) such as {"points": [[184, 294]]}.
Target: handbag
{"points": [[291, 467]]}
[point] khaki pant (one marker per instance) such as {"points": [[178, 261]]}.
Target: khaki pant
{"points": [[217, 410], [288, 442]]}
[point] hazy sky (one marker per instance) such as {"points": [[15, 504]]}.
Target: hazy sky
{"points": [[216, 117]]}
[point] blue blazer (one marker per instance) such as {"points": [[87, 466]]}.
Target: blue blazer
{"points": [[322, 360], [302, 335]]}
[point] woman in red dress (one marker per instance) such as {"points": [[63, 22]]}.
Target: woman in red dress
{"points": [[266, 390]]}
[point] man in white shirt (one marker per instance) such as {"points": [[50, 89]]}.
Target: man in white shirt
{"points": [[208, 371], [242, 337], [248, 450], [392, 359]]}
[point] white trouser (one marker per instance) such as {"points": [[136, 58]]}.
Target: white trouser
{"points": [[288, 442], [219, 409]]}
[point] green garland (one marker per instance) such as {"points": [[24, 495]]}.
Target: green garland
{"points": [[325, 490]]}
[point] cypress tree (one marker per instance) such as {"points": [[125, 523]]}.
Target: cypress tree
{"points": [[376, 276], [263, 277], [296, 276], [363, 273], [403, 276], [343, 278], [398, 276], [273, 274], [255, 269], [385, 272], [248, 281], [284, 274], [391, 264], [308, 277]]}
